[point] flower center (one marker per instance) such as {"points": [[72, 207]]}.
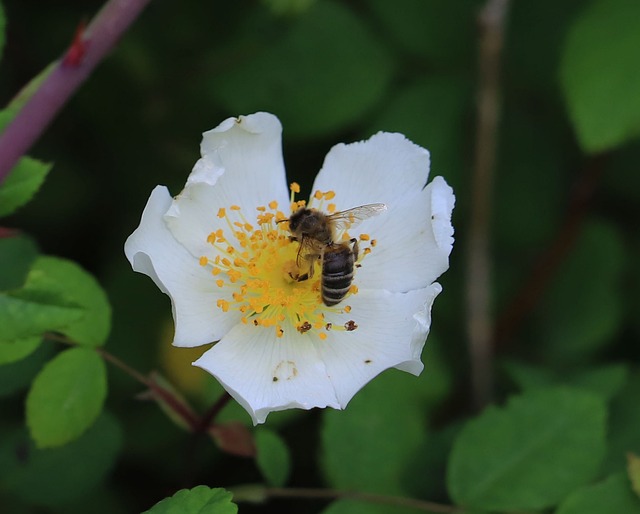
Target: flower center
{"points": [[263, 275]]}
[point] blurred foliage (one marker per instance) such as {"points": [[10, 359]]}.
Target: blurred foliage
{"points": [[566, 200]]}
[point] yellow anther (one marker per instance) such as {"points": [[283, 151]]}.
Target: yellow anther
{"points": [[365, 237], [347, 308], [329, 195], [373, 242], [222, 212], [367, 251], [257, 265], [322, 335], [331, 208], [295, 187], [353, 289]]}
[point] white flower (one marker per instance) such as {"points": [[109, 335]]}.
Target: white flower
{"points": [[227, 266]]}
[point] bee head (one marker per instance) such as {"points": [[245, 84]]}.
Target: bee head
{"points": [[302, 221]]}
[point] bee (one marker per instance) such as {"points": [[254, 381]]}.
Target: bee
{"points": [[316, 233]]}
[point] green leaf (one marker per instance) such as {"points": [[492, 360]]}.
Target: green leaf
{"points": [[57, 475], [583, 309], [624, 426], [66, 282], [438, 30], [18, 375], [613, 495], [321, 75], [273, 458], [17, 255], [600, 74], [21, 184], [605, 380], [288, 7], [199, 500], [13, 351], [32, 316], [368, 447], [531, 453], [66, 397]]}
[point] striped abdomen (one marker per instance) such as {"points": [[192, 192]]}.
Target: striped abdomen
{"points": [[337, 273]]}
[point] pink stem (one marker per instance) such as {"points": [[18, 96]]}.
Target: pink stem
{"points": [[87, 50]]}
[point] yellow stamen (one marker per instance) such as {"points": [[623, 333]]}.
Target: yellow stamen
{"points": [[256, 269]]}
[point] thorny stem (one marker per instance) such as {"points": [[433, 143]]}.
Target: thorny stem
{"points": [[89, 48], [479, 324], [332, 494]]}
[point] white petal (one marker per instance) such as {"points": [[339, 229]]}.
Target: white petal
{"points": [[241, 165], [387, 168], [392, 328], [414, 240], [265, 373], [154, 251]]}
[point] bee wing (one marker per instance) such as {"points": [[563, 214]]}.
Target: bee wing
{"points": [[351, 217]]}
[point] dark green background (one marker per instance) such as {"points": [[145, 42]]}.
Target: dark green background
{"points": [[333, 72]]}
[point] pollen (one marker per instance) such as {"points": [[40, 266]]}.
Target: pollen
{"points": [[257, 265]]}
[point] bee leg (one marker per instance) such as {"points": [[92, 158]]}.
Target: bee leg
{"points": [[300, 278], [355, 248]]}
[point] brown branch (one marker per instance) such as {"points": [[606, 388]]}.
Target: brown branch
{"points": [[257, 493], [479, 324], [207, 419], [534, 286]]}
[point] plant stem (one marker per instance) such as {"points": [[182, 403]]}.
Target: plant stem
{"points": [[546, 266], [87, 50], [332, 494], [176, 405], [208, 417], [479, 324]]}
